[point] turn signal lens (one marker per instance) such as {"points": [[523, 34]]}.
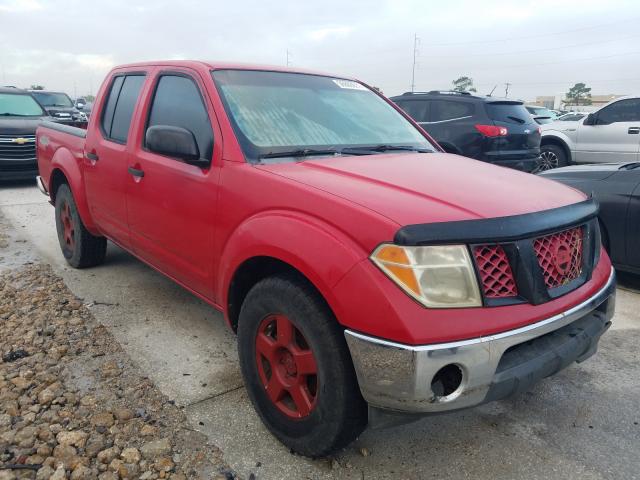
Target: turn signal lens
{"points": [[492, 130], [436, 276]]}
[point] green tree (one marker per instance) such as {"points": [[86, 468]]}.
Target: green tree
{"points": [[89, 98], [36, 87], [579, 94], [463, 84]]}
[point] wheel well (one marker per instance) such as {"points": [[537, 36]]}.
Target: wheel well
{"points": [[57, 179], [559, 143], [250, 273]]}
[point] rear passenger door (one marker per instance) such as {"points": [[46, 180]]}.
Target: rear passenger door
{"points": [[632, 235], [452, 124], [172, 204], [105, 155]]}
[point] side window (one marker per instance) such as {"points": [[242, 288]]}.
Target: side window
{"points": [[442, 110], [123, 96], [178, 103], [622, 111], [110, 106], [416, 109]]}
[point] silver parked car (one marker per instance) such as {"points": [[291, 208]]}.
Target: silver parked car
{"points": [[611, 134]]}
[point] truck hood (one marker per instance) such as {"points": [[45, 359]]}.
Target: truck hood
{"points": [[20, 125], [413, 188]]}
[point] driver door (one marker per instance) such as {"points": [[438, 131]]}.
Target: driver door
{"points": [[614, 135], [171, 205]]}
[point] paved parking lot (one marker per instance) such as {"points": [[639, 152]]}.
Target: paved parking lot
{"points": [[583, 423]]}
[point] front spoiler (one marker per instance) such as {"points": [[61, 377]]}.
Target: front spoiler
{"points": [[398, 377]]}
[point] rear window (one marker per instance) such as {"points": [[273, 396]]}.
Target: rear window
{"points": [[508, 112]]}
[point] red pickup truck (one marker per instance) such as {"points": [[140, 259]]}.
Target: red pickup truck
{"points": [[370, 277]]}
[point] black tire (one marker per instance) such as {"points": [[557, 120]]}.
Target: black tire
{"points": [[339, 414], [551, 156], [80, 248]]}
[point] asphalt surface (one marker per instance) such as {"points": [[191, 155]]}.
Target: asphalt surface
{"points": [[583, 423]]}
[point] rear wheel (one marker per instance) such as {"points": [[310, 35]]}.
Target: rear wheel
{"points": [[551, 156], [80, 248], [297, 368]]}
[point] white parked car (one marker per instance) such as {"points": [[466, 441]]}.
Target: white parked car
{"points": [[611, 134]]}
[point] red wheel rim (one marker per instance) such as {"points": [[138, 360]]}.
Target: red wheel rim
{"points": [[287, 367], [68, 226]]}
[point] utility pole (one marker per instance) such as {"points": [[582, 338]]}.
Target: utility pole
{"points": [[506, 89], [288, 56], [416, 42]]}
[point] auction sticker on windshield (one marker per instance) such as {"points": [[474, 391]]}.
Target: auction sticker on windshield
{"points": [[348, 84]]}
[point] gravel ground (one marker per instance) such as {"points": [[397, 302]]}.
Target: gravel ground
{"points": [[72, 404]]}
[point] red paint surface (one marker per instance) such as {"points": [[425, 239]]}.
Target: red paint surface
{"points": [[323, 217]]}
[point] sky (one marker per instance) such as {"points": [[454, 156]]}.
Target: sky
{"points": [[540, 47]]}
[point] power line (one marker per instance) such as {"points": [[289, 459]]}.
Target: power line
{"points": [[562, 32], [494, 67], [534, 50]]}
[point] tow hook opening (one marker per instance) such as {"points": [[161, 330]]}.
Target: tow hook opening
{"points": [[446, 381]]}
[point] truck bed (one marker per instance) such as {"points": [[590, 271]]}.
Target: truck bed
{"points": [[55, 139]]}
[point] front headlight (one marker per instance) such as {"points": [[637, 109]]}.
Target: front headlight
{"points": [[436, 276]]}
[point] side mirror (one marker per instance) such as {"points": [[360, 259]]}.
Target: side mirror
{"points": [[175, 142], [590, 120]]}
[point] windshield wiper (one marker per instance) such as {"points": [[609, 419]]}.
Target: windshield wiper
{"points": [[303, 152], [384, 148], [630, 166], [7, 114]]}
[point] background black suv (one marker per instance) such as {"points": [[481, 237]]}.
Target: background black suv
{"points": [[60, 107], [491, 129]]}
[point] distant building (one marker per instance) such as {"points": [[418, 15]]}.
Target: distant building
{"points": [[555, 102]]}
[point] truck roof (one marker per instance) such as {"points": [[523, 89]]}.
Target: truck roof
{"points": [[221, 65]]}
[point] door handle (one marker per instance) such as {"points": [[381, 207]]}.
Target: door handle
{"points": [[633, 130], [136, 172], [92, 156]]}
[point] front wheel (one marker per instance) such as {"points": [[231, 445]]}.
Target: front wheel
{"points": [[80, 248], [551, 156], [297, 368]]}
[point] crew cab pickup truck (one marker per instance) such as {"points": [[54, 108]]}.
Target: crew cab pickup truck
{"points": [[611, 134], [370, 277]]}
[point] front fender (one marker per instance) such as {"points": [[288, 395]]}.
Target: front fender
{"points": [[321, 252], [558, 136], [67, 163]]}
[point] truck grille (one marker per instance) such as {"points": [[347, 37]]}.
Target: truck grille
{"points": [[560, 256], [495, 272], [549, 266], [18, 147]]}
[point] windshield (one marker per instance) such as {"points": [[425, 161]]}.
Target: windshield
{"points": [[52, 99], [508, 112], [19, 105], [275, 112]]}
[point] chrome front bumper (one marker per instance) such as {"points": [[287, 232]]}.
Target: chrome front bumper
{"points": [[398, 377], [41, 185]]}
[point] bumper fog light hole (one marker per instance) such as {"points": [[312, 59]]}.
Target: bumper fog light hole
{"points": [[446, 381]]}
